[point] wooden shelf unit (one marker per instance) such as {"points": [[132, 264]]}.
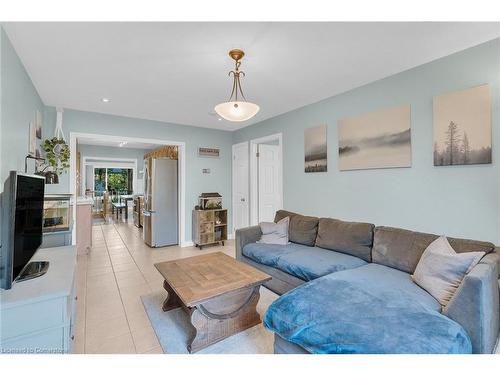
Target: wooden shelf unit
{"points": [[209, 227]]}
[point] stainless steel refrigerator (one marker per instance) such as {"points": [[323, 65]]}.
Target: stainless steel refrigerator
{"points": [[160, 227]]}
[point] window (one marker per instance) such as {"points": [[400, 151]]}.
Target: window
{"points": [[115, 180], [100, 179]]}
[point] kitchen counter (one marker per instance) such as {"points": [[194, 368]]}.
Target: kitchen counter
{"points": [[84, 200]]}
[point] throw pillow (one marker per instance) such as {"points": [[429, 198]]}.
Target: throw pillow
{"points": [[441, 269], [275, 233]]}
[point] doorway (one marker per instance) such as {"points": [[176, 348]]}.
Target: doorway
{"points": [[106, 179], [266, 178], [241, 209], [181, 146]]}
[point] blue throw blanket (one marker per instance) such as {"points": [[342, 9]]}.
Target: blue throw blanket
{"points": [[344, 313]]}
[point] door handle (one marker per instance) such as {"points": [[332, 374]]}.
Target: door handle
{"points": [[148, 212], [242, 199]]}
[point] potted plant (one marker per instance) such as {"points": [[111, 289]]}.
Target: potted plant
{"points": [[57, 154], [57, 158]]}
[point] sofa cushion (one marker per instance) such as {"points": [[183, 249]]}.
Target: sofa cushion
{"points": [[369, 309], [313, 262], [280, 214], [347, 237], [302, 230], [269, 254], [497, 256], [402, 249]]}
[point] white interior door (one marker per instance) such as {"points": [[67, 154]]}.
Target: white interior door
{"points": [[269, 189], [240, 186]]}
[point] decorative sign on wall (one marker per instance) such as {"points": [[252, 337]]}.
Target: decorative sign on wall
{"points": [[462, 127], [315, 150], [208, 152], [380, 139]]}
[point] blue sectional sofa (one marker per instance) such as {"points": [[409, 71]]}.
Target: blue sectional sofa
{"points": [[346, 288]]}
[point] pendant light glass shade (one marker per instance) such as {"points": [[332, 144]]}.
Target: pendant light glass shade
{"points": [[236, 111]]}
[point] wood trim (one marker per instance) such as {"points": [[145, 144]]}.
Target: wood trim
{"points": [[171, 152]]}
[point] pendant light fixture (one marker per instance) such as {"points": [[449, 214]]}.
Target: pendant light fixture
{"points": [[237, 108]]}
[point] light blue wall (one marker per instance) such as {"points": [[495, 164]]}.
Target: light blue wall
{"points": [[218, 180], [458, 200], [19, 102]]}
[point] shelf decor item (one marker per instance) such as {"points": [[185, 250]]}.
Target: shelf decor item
{"points": [[210, 201], [56, 213]]}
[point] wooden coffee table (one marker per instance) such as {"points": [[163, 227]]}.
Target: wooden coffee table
{"points": [[219, 293]]}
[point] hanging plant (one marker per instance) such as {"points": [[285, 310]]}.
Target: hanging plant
{"points": [[57, 154]]}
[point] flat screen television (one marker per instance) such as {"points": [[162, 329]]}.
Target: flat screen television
{"points": [[22, 221]]}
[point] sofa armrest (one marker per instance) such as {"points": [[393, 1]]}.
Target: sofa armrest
{"points": [[475, 305], [245, 236], [496, 253]]}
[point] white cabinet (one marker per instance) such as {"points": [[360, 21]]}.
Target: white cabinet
{"points": [[83, 225], [37, 316]]}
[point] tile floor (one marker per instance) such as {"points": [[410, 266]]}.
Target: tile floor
{"points": [[111, 279]]}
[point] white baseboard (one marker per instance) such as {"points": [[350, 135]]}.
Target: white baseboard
{"points": [[230, 236]]}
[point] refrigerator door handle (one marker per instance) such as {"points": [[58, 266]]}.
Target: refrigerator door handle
{"points": [[148, 212]]}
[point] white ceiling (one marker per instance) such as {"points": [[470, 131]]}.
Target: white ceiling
{"points": [[110, 143], [177, 72]]}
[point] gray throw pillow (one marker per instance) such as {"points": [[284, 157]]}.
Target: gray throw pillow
{"points": [[275, 233], [441, 269]]}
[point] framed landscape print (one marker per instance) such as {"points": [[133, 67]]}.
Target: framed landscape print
{"points": [[380, 139], [315, 150], [462, 127], [38, 122], [32, 139]]}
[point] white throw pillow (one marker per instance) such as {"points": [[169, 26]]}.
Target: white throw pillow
{"points": [[275, 233], [441, 269]]}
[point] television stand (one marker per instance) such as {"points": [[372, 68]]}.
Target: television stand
{"points": [[33, 270], [37, 315]]}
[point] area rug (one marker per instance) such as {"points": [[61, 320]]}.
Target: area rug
{"points": [[172, 329]]}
